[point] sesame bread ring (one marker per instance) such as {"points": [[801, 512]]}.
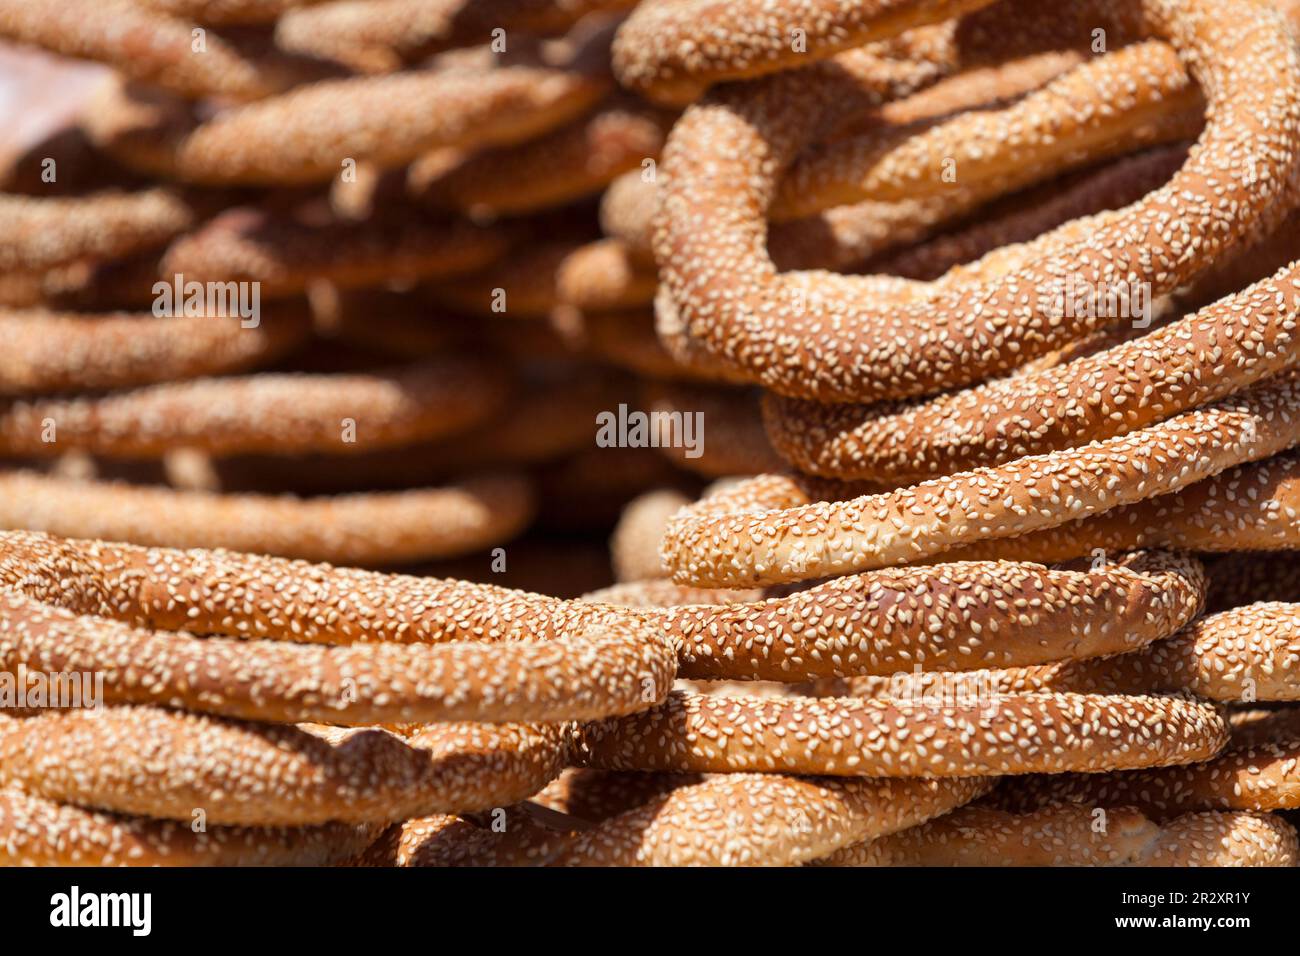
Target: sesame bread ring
{"points": [[1069, 836], [850, 736], [945, 617], [959, 617], [1250, 507], [175, 590], [166, 764], [41, 233], [145, 45], [543, 421], [603, 276], [627, 207], [817, 540], [381, 35], [634, 546], [1260, 770], [567, 164], [370, 529], [658, 50], [306, 135], [530, 657], [1152, 101], [273, 413], [596, 671], [284, 256], [762, 820], [54, 352], [1030, 213], [455, 841], [1137, 96], [39, 832], [832, 347], [832, 239], [626, 211], [1220, 350], [1241, 655]]}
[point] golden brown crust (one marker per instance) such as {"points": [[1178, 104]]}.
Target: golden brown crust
{"points": [[297, 137], [1220, 350], [1260, 770], [146, 45], [371, 529], [168, 765], [989, 735], [634, 546], [38, 832], [831, 346], [274, 413], [657, 53], [603, 276], [573, 161], [1242, 655], [1032, 212], [511, 837], [44, 351], [1250, 507], [284, 255], [1077, 836], [762, 820], [952, 616], [1004, 501], [41, 233]]}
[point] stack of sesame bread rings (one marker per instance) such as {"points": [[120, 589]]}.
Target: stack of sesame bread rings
{"points": [[987, 310]]}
